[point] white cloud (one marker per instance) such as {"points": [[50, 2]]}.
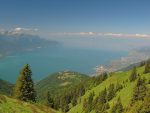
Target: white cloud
{"points": [[18, 29], [107, 34]]}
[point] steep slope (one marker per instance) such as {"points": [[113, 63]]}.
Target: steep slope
{"points": [[5, 87], [9, 105], [58, 82], [125, 93]]}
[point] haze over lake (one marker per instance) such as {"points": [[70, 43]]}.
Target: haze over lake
{"points": [[45, 61]]}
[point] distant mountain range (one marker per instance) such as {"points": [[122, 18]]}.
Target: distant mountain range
{"points": [[12, 43]]}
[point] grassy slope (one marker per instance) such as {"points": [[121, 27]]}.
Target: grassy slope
{"points": [[9, 105], [58, 82], [125, 94], [5, 87]]}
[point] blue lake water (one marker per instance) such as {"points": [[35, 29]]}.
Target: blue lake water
{"points": [[46, 61]]}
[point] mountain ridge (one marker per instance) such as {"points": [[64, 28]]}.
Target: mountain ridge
{"points": [[59, 81], [13, 43]]}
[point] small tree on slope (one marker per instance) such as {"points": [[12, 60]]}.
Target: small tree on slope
{"points": [[147, 67], [117, 108], [24, 88], [133, 75]]}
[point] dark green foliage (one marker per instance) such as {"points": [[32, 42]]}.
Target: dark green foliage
{"points": [[64, 103], [111, 92], [98, 79], [24, 88], [118, 87], [70, 96], [90, 98], [56, 102], [60, 82], [149, 81], [146, 105], [74, 93], [102, 96], [147, 66], [85, 104], [49, 100], [142, 63], [100, 103], [133, 75], [88, 103], [141, 98], [117, 107], [140, 90], [65, 107], [74, 101]]}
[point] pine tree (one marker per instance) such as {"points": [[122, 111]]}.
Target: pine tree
{"points": [[111, 92], [101, 104], [146, 106], [117, 108], [56, 102], [142, 63], [118, 87], [49, 100], [74, 101], [90, 98], [133, 75], [102, 96], [147, 67], [85, 104], [66, 108], [24, 88], [140, 90]]}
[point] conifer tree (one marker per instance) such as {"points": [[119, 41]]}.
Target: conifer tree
{"points": [[146, 106], [24, 88], [117, 108], [102, 96], [147, 67], [85, 104], [133, 75], [74, 101], [101, 104], [66, 108], [49, 100], [140, 90], [111, 92], [118, 87]]}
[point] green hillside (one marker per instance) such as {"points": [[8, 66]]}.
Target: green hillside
{"points": [[59, 82], [72, 92], [5, 87], [124, 93], [9, 105]]}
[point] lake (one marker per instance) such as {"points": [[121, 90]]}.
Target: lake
{"points": [[45, 61]]}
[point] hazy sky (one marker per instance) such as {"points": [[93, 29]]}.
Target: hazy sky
{"points": [[80, 18], [118, 16]]}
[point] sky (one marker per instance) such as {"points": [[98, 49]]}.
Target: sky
{"points": [[116, 16], [71, 18]]}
